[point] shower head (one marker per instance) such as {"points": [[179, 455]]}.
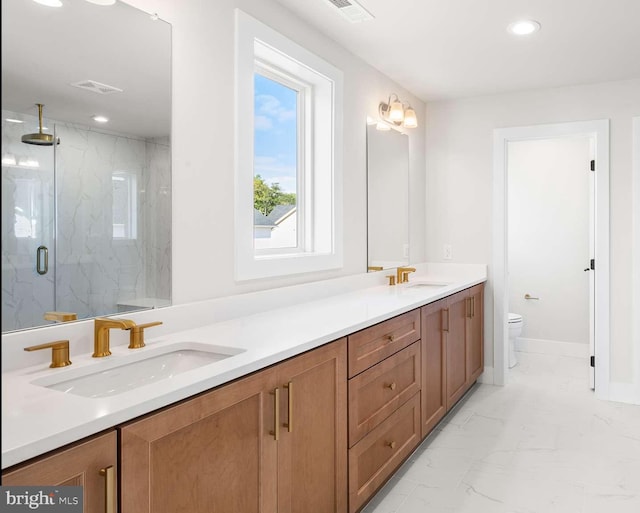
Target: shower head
{"points": [[40, 138]]}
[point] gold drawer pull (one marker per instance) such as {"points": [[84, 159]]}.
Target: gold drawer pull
{"points": [[391, 386], [391, 337], [445, 311], [276, 414], [289, 423], [391, 445], [109, 474]]}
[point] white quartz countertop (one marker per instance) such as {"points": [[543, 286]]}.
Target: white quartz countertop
{"points": [[36, 419]]}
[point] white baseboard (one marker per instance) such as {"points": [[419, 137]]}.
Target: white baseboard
{"points": [[624, 393], [487, 376], [555, 347]]}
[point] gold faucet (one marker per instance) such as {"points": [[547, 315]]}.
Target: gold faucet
{"points": [[403, 274], [101, 334]]}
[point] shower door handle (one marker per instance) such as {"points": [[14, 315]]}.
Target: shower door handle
{"points": [[42, 260]]}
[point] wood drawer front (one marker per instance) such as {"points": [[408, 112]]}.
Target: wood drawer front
{"points": [[372, 461], [374, 344], [377, 392]]}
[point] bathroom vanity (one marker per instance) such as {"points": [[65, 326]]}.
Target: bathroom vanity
{"points": [[326, 400]]}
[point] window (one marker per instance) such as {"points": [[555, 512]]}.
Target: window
{"points": [[124, 205], [288, 187], [278, 180]]}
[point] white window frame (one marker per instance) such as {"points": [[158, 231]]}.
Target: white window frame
{"points": [[322, 246]]}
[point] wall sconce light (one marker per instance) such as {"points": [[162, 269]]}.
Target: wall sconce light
{"points": [[397, 114]]}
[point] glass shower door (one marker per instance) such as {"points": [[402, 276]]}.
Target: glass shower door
{"points": [[28, 222]]}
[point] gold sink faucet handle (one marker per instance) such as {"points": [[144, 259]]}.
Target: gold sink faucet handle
{"points": [[60, 316], [59, 353], [392, 279], [136, 338], [403, 274], [101, 329]]}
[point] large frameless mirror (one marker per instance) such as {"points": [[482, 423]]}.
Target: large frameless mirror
{"points": [[387, 199], [86, 161]]}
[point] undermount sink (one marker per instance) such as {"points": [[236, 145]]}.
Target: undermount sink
{"points": [[426, 285], [130, 372]]}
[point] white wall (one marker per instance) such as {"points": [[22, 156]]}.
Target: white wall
{"points": [[459, 183], [548, 237], [203, 66]]}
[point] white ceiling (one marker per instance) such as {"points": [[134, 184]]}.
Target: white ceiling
{"points": [[45, 49], [443, 49]]}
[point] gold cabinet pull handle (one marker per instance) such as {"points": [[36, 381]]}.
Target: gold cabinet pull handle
{"points": [[391, 337], [276, 414], [289, 423], [445, 311], [109, 475], [467, 307], [391, 386], [391, 445], [473, 306]]}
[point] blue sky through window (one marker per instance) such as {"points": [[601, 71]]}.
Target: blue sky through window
{"points": [[275, 132]]}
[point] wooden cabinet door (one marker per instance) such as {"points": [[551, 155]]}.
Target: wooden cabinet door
{"points": [[456, 350], [312, 451], [212, 453], [434, 369], [475, 333], [77, 465]]}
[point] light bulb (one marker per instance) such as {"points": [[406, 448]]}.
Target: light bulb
{"points": [[524, 27], [410, 118], [396, 111]]}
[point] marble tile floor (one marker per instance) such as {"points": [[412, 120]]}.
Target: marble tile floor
{"points": [[542, 444]]}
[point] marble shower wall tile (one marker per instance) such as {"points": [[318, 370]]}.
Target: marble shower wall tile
{"points": [[156, 203]]}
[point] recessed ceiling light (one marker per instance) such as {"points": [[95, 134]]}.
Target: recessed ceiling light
{"points": [[100, 119], [11, 120], [523, 27], [49, 3]]}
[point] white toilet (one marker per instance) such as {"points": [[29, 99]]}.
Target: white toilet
{"points": [[515, 328]]}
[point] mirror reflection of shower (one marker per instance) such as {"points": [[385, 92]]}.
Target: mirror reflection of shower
{"points": [[85, 224], [39, 138]]}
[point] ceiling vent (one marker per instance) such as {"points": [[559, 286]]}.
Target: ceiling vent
{"points": [[96, 87], [351, 10]]}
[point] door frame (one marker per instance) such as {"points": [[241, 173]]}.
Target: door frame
{"points": [[599, 131], [635, 169]]}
